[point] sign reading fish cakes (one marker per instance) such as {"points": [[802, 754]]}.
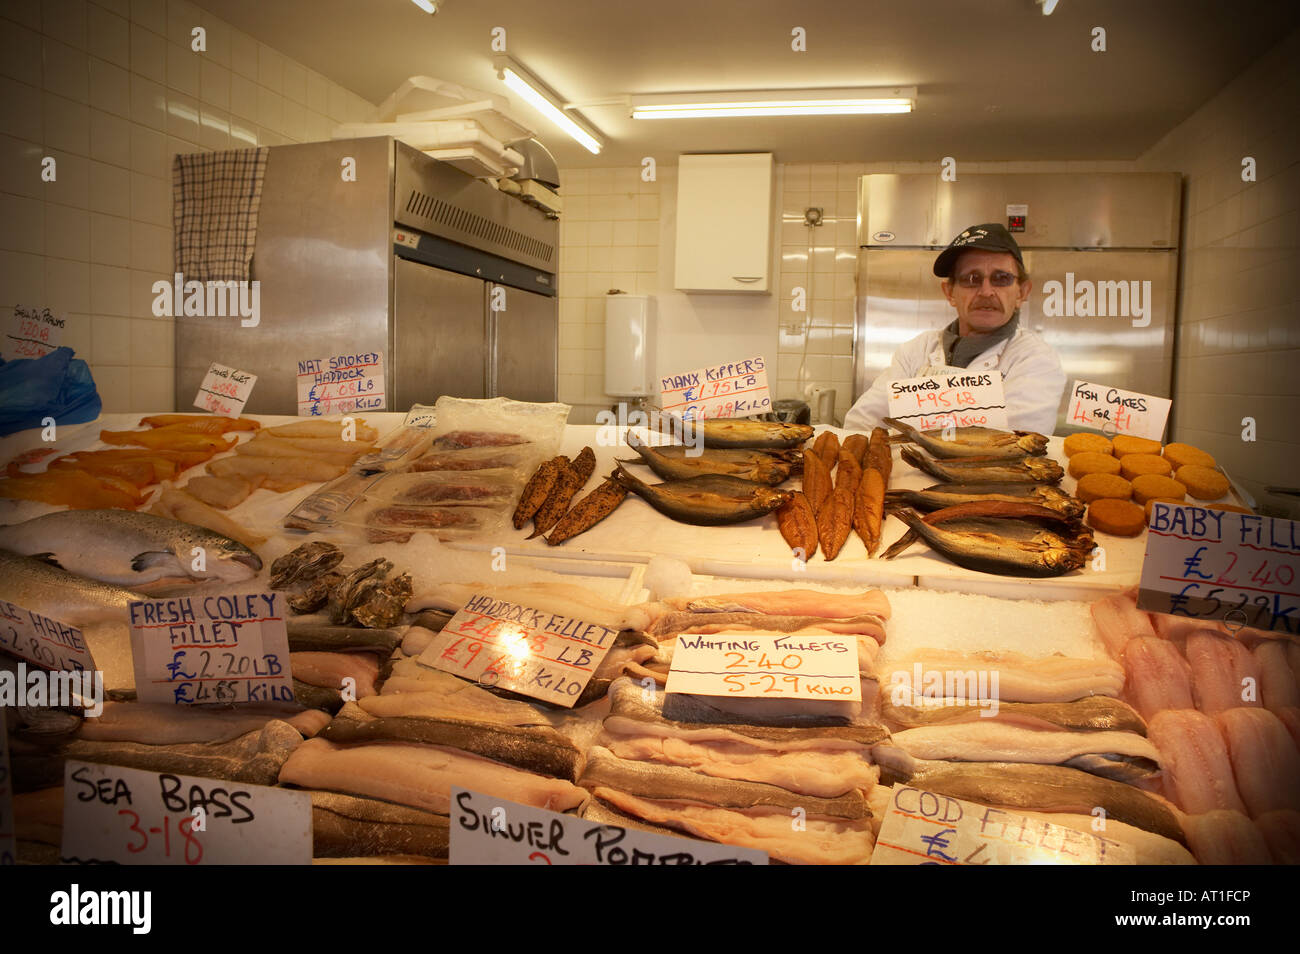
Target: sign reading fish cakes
{"points": [[766, 666], [1236, 568], [957, 399], [215, 649], [493, 831], [224, 391], [42, 640], [341, 384], [121, 815], [926, 828], [511, 646], [1116, 411], [733, 389]]}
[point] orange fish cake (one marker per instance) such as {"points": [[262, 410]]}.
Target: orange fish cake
{"points": [[1084, 442], [1150, 486], [1098, 486], [1127, 444], [1132, 466], [1179, 455], [1119, 518], [1202, 482], [1089, 462]]}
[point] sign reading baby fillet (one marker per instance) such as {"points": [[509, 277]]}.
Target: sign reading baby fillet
{"points": [[217, 648], [766, 666], [1114, 410], [731, 389], [959, 398], [516, 647]]}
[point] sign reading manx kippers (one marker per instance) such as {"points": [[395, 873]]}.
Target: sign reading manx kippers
{"points": [[1238, 569], [492, 831], [1116, 411], [766, 666], [511, 646], [926, 828], [959, 398], [731, 389], [219, 648]]}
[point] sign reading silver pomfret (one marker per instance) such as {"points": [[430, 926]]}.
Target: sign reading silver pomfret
{"points": [[120, 546]]}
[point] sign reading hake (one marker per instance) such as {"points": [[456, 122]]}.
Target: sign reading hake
{"points": [[956, 399], [1235, 568], [128, 816], [1116, 411], [766, 666], [211, 649], [493, 831], [510, 646], [340, 384], [926, 828], [735, 389], [31, 333], [42, 640], [224, 391]]}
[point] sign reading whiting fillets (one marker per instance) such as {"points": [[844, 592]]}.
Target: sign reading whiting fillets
{"points": [[493, 831], [224, 391], [1116, 411], [766, 666], [128, 816], [219, 648], [511, 646], [341, 384], [959, 398], [732, 389], [1224, 567], [42, 640], [926, 828]]}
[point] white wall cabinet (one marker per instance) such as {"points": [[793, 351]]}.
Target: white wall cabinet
{"points": [[724, 223]]}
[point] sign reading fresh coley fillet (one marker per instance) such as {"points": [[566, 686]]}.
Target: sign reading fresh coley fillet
{"points": [[492, 831], [219, 648], [959, 398], [764, 666], [516, 647], [1116, 411], [340, 384], [731, 389]]}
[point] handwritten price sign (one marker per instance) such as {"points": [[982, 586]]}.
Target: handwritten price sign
{"points": [[127, 816], [960, 399], [499, 643], [224, 391], [735, 389], [211, 649], [765, 666], [340, 384], [31, 333], [42, 640], [925, 828], [492, 831], [1226, 567], [1116, 411]]}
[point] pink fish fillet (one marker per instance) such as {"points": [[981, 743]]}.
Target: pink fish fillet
{"points": [[1264, 759], [1226, 838], [330, 669], [793, 603], [1281, 830], [1118, 620], [1278, 685], [420, 776], [1291, 719], [1158, 676], [1197, 772], [1224, 673], [1293, 660]]}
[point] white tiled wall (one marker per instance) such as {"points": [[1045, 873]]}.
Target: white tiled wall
{"points": [[112, 90], [1238, 346]]}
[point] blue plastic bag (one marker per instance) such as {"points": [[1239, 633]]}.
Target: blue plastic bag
{"points": [[57, 385]]}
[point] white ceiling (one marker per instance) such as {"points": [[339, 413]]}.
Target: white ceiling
{"points": [[995, 78]]}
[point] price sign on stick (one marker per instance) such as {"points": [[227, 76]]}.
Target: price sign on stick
{"points": [[1238, 569], [224, 391], [959, 399], [44, 641], [732, 389], [764, 666], [341, 384], [219, 648], [1116, 411], [31, 333]]}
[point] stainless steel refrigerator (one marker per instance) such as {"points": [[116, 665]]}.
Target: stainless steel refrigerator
{"points": [[404, 259], [1086, 231]]}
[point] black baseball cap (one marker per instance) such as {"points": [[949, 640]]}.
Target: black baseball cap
{"points": [[990, 236]]}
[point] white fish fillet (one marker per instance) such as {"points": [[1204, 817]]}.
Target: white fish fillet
{"points": [[1226, 838], [1118, 620], [330, 669], [1149, 848], [1264, 759], [1021, 678], [1197, 772], [791, 603], [442, 695], [564, 598], [420, 776], [1223, 671], [824, 841], [156, 723], [1278, 686], [1158, 676], [990, 741]]}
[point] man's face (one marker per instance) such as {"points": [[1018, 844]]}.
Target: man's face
{"points": [[984, 307]]}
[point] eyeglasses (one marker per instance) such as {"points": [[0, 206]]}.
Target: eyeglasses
{"points": [[998, 279]]}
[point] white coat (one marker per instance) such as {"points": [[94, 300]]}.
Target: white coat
{"points": [[1032, 379]]}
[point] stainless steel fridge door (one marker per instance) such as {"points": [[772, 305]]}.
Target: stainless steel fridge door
{"points": [[898, 298], [440, 335], [526, 345]]}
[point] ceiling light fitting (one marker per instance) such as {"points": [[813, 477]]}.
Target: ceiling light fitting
{"points": [[786, 102], [542, 98]]}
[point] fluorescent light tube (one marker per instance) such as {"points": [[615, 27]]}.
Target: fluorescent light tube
{"points": [[428, 6], [830, 102], [532, 90]]}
